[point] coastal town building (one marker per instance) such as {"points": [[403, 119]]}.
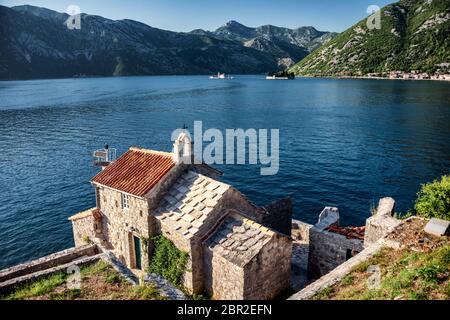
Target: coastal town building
{"points": [[236, 250], [414, 75]]}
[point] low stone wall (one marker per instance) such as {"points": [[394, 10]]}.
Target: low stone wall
{"points": [[337, 274], [120, 267], [10, 285], [166, 288], [327, 250], [377, 227], [47, 262]]}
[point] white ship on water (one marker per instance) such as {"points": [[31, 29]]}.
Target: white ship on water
{"points": [[221, 76]]}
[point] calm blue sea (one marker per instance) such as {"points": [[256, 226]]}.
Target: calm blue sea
{"points": [[344, 143]]}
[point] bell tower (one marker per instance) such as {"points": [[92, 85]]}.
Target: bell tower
{"points": [[182, 148]]}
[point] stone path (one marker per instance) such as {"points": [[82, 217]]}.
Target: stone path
{"points": [[165, 287], [120, 267], [299, 272]]}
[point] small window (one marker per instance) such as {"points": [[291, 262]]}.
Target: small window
{"points": [[125, 201]]}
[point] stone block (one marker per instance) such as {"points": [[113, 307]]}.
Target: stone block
{"points": [[386, 207], [329, 212], [437, 227]]}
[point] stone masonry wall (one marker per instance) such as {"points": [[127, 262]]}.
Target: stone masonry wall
{"points": [[337, 274], [381, 223], [328, 250], [120, 225], [184, 245], [300, 230], [48, 262], [84, 231], [223, 279], [269, 273], [278, 216]]}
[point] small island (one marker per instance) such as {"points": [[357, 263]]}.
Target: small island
{"points": [[281, 75]]}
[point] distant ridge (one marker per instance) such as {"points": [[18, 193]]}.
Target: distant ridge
{"points": [[288, 45], [414, 35], [36, 43]]}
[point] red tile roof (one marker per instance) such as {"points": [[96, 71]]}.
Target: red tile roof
{"points": [[348, 232], [136, 172]]}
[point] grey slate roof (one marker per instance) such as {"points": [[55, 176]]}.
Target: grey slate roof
{"points": [[189, 202], [239, 239]]}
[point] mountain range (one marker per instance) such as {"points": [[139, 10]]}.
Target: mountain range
{"points": [[414, 35], [288, 45], [36, 43]]}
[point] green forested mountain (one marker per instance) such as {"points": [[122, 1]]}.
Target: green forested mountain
{"points": [[414, 35]]}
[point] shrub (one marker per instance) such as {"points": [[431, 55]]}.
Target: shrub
{"points": [[167, 260], [433, 200]]}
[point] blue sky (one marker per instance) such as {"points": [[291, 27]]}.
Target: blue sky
{"points": [[186, 15]]}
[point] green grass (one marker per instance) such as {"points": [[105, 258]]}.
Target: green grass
{"points": [[37, 288], [323, 294], [145, 292], [404, 275], [99, 281]]}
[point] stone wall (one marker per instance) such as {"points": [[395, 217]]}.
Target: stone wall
{"points": [[381, 223], [47, 262], [337, 274], [300, 230], [223, 279], [269, 273], [119, 225], [327, 250], [13, 283], [84, 230], [184, 245], [278, 216]]}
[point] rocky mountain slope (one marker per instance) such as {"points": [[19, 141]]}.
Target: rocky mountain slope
{"points": [[414, 35], [36, 43], [288, 45]]}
